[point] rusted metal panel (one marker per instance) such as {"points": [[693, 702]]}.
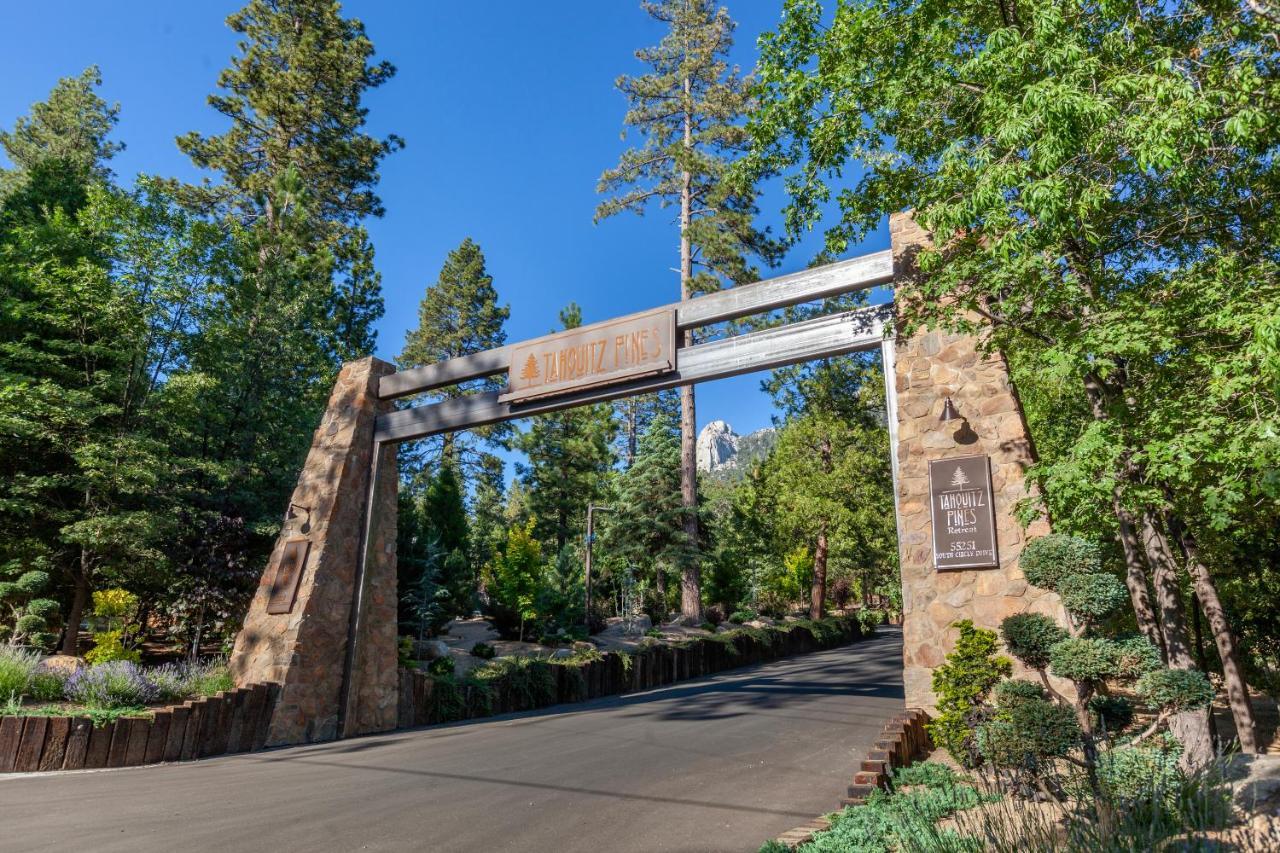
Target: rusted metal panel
{"points": [[288, 574], [591, 356]]}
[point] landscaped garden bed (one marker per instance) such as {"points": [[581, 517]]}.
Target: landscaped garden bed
{"points": [[522, 683]]}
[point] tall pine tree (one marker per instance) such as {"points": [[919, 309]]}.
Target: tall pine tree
{"points": [[295, 177], [689, 110]]}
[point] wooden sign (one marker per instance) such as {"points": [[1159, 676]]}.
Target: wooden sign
{"points": [[964, 521], [284, 586], [590, 356]]}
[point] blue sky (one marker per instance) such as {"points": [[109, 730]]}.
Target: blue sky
{"points": [[509, 114]]}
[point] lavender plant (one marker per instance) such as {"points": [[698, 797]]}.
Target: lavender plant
{"points": [[114, 684]]}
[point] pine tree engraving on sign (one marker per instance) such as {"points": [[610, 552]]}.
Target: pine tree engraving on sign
{"points": [[530, 369], [959, 478]]}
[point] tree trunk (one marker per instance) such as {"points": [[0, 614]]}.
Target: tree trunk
{"points": [[690, 576], [1191, 728], [1237, 689], [818, 594], [1135, 576], [79, 599]]}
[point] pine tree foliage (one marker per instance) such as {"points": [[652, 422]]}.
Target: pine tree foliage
{"points": [[569, 459]]}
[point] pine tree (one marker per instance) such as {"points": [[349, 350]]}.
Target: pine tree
{"points": [[82, 477], [295, 177], [689, 110], [458, 315], [446, 525], [568, 462], [647, 525]]}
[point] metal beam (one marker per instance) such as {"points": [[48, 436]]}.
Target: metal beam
{"points": [[769, 295], [821, 337]]}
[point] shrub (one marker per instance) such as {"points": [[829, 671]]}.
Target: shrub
{"points": [[1092, 596], [33, 618], [868, 620], [1130, 775], [715, 614], [1135, 657], [1048, 559], [187, 679], [114, 684], [16, 669], [961, 684], [1083, 659], [1027, 731], [47, 685], [840, 592], [1015, 691], [1029, 636], [653, 632], [740, 616], [109, 646], [1175, 690], [114, 603], [1111, 714], [484, 650], [441, 666]]}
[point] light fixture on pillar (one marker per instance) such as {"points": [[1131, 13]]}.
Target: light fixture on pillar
{"points": [[949, 412], [291, 513]]}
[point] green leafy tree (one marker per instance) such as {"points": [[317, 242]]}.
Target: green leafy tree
{"points": [[689, 109], [834, 492], [520, 575], [1107, 203]]}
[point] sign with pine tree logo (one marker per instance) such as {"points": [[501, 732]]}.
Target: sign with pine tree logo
{"points": [[591, 356], [962, 513]]}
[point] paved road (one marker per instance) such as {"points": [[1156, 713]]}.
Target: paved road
{"points": [[718, 764]]}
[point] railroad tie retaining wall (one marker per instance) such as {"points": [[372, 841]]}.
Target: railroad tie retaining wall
{"points": [[234, 721]]}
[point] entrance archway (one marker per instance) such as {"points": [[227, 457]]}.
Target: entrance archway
{"points": [[322, 624]]}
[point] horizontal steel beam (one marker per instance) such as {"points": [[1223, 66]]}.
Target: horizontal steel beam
{"points": [[821, 337], [769, 295]]}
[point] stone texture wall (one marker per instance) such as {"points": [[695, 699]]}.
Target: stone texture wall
{"points": [[304, 650], [932, 365]]}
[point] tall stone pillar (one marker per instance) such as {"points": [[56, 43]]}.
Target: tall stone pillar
{"points": [[297, 628], [932, 365]]}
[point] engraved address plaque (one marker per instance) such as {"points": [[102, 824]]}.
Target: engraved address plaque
{"points": [[964, 521], [284, 586]]}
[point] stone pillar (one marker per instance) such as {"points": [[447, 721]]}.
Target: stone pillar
{"points": [[931, 365], [298, 639]]}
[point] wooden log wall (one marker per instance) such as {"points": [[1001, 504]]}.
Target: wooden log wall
{"points": [[234, 721]]}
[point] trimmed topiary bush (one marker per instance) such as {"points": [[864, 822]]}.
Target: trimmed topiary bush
{"points": [[1174, 690], [1112, 714], [1048, 559], [1086, 659], [115, 684], [1015, 691], [1029, 636], [1135, 657], [1094, 596], [1028, 732]]}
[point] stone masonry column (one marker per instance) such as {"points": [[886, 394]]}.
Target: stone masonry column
{"points": [[295, 633], [931, 365]]}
